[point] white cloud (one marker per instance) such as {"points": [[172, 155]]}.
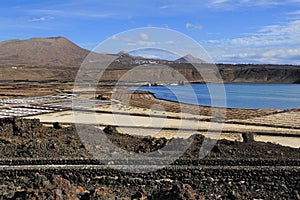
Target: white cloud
{"points": [[297, 12], [294, 15], [113, 38], [277, 44], [165, 25], [170, 42], [273, 35], [72, 13], [143, 41], [146, 43], [282, 55], [144, 36], [168, 6], [193, 26], [219, 1], [235, 4], [41, 19]]}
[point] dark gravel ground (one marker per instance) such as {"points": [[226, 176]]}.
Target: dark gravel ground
{"points": [[231, 170]]}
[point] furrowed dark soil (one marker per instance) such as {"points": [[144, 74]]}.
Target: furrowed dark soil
{"points": [[39, 162]]}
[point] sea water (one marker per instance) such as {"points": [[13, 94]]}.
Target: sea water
{"points": [[252, 96]]}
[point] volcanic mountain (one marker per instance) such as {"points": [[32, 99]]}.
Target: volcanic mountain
{"points": [[53, 51], [189, 59]]}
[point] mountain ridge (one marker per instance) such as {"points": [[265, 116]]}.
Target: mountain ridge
{"points": [[57, 58], [51, 51]]}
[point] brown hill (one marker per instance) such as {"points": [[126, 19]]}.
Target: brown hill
{"points": [[53, 51]]}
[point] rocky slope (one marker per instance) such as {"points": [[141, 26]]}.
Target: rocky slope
{"points": [[54, 51], [259, 73]]}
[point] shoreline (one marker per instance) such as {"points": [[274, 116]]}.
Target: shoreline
{"points": [[149, 113], [148, 120], [214, 106]]}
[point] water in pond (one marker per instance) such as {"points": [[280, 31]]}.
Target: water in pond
{"points": [[254, 96]]}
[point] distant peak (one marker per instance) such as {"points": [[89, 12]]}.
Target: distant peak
{"points": [[190, 56], [123, 53], [189, 59]]}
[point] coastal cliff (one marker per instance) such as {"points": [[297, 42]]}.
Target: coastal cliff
{"points": [[259, 73]]}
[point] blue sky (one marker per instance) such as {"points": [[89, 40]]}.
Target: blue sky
{"points": [[231, 31]]}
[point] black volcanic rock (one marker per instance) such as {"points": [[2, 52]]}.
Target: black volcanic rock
{"points": [[176, 191], [234, 170]]}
